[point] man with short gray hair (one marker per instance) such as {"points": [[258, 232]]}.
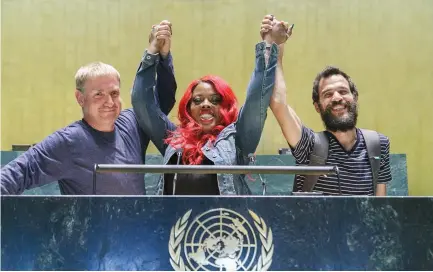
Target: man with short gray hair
{"points": [[105, 135]]}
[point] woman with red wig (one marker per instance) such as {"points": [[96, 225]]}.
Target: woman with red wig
{"points": [[212, 130]]}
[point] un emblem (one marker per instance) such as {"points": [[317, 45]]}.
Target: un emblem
{"points": [[220, 239]]}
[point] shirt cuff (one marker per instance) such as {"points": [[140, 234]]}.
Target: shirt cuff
{"points": [[150, 59], [162, 58]]}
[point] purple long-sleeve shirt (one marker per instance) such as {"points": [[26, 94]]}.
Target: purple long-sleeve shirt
{"points": [[69, 154]]}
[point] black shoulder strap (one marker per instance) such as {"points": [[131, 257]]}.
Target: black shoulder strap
{"points": [[372, 141], [317, 158]]}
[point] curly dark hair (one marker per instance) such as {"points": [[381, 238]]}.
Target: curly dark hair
{"points": [[327, 72]]}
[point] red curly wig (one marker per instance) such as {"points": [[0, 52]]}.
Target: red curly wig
{"points": [[189, 135]]}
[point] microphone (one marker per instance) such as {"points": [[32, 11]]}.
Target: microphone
{"points": [[179, 155], [252, 158], [337, 172], [263, 185], [95, 167]]}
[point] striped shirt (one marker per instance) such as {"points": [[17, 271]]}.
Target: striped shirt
{"points": [[355, 172]]}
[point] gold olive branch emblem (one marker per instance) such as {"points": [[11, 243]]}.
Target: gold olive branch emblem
{"points": [[178, 232]]}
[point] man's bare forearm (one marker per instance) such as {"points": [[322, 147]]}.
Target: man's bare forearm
{"points": [[288, 120]]}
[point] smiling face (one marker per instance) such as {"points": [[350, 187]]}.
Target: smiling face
{"points": [[337, 105], [205, 106], [101, 102]]}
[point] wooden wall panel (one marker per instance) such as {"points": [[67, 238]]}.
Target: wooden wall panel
{"points": [[386, 46]]}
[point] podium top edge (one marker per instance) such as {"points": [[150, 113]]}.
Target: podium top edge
{"points": [[207, 196]]}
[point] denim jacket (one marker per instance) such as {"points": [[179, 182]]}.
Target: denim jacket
{"points": [[235, 143]]}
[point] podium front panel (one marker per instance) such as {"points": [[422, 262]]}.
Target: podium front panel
{"points": [[216, 233]]}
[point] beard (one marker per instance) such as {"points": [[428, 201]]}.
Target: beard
{"points": [[340, 123]]}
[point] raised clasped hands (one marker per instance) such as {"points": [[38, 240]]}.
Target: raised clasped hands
{"points": [[160, 38]]}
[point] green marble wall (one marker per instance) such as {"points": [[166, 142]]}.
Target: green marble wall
{"points": [[276, 184]]}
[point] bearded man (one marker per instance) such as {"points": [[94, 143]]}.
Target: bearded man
{"points": [[362, 156]]}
